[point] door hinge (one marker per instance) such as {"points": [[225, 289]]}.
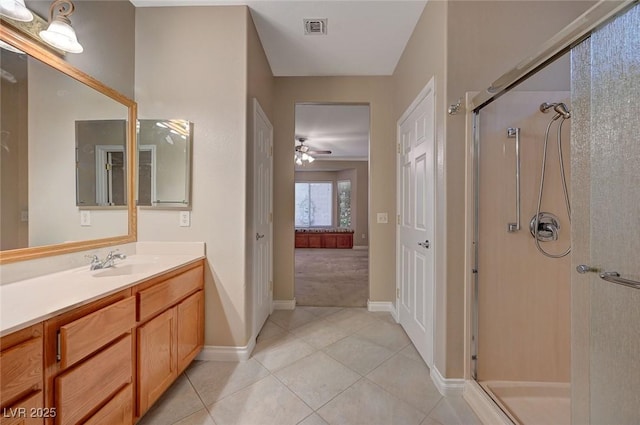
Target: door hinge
{"points": [[58, 347], [107, 167], [270, 150], [270, 217], [397, 292], [398, 219], [271, 285], [398, 148]]}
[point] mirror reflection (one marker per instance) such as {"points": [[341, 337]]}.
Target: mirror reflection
{"points": [[42, 116], [164, 163]]}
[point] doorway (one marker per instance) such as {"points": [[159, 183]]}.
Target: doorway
{"points": [[331, 155]]}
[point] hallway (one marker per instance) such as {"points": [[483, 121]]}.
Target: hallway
{"points": [[314, 366]]}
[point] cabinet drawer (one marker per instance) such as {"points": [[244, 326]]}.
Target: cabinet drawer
{"points": [[159, 297], [86, 386], [84, 336], [190, 329], [28, 411], [20, 369], [118, 411]]}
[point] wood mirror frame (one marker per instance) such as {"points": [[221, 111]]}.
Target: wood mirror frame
{"points": [[24, 43]]}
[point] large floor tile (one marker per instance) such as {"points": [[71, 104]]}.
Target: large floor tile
{"points": [[269, 330], [276, 353], [291, 319], [216, 380], [179, 402], [319, 333], [409, 380], [454, 411], [314, 419], [358, 354], [352, 319], [201, 417], [267, 402], [320, 311], [410, 352], [367, 404], [386, 334], [316, 379]]}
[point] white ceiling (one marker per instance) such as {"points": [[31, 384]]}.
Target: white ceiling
{"points": [[342, 129], [363, 38]]}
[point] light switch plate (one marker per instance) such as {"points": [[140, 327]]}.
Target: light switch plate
{"points": [[383, 218], [85, 218], [185, 218]]}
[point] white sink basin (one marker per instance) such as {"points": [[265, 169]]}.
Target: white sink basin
{"points": [[124, 270]]}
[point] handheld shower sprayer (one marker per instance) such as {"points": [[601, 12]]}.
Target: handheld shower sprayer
{"points": [[560, 109]]}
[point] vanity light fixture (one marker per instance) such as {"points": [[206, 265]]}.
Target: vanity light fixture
{"points": [[16, 10], [60, 33]]}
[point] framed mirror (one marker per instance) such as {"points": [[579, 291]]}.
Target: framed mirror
{"points": [[164, 163], [52, 119]]}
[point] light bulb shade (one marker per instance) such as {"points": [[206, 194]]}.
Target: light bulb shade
{"points": [[9, 47], [305, 157], [310, 159], [298, 161], [16, 10], [61, 36]]}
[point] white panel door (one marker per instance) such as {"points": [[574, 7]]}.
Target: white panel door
{"points": [[416, 211], [262, 218]]}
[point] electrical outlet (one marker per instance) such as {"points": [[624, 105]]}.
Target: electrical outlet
{"points": [[185, 218], [383, 218], [85, 218]]}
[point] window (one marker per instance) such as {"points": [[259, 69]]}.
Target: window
{"points": [[344, 204], [314, 204]]}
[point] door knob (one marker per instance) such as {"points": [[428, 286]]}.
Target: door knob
{"points": [[425, 244], [259, 236]]}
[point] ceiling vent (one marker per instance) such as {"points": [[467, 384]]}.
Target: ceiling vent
{"points": [[315, 26]]}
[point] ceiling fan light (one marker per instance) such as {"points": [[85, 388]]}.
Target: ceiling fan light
{"points": [[298, 161], [305, 157], [62, 36], [310, 159]]}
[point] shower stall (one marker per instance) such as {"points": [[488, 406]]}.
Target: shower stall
{"points": [[522, 356], [553, 295]]}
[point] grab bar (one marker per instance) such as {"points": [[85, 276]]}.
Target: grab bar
{"points": [[614, 277], [511, 134]]}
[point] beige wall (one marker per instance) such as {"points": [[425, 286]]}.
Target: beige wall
{"points": [[191, 63], [467, 45], [378, 93], [358, 173]]}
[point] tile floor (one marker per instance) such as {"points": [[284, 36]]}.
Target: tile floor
{"points": [[315, 366]]}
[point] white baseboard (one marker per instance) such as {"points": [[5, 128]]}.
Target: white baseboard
{"points": [[447, 387], [227, 354], [360, 247], [382, 306], [284, 304], [483, 406]]}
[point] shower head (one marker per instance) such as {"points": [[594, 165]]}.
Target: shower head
{"points": [[560, 109]]}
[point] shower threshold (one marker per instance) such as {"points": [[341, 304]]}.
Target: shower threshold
{"points": [[532, 403]]}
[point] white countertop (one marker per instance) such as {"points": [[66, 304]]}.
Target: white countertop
{"points": [[27, 302]]}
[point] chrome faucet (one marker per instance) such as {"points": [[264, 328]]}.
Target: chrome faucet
{"points": [[109, 261]]}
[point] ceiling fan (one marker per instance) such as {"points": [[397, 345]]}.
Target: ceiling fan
{"points": [[302, 148]]}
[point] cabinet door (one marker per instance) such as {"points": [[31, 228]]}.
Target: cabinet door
{"points": [[157, 358], [190, 329], [302, 240], [118, 411], [330, 240], [28, 411]]}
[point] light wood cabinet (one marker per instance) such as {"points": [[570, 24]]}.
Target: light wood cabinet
{"points": [[107, 362], [173, 337], [157, 358], [21, 377], [89, 357]]}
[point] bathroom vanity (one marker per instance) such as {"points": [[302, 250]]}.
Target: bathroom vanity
{"points": [[99, 347]]}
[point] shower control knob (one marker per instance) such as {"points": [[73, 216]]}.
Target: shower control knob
{"points": [[583, 268]]}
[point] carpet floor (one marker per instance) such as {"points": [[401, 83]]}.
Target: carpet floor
{"points": [[332, 277]]}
